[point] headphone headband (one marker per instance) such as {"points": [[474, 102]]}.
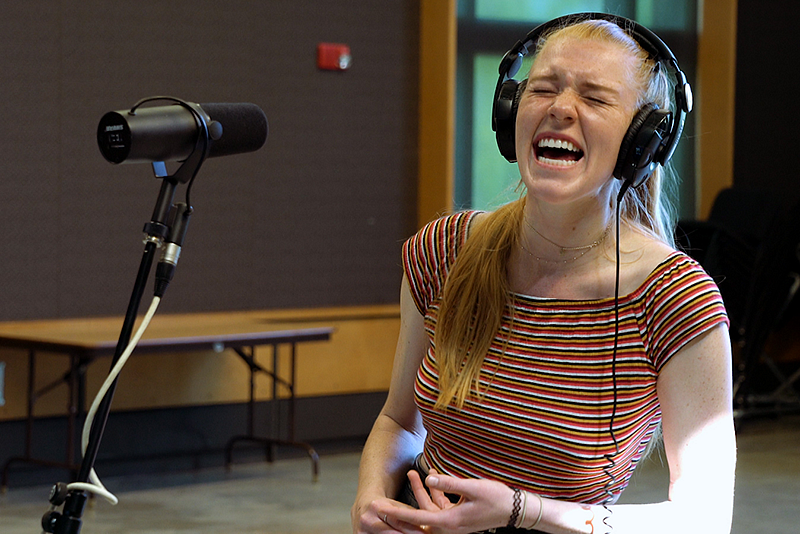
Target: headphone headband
{"points": [[649, 41], [506, 99]]}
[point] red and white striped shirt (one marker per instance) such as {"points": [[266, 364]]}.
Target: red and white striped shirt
{"points": [[542, 419]]}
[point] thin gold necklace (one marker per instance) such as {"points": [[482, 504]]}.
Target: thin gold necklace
{"points": [[545, 260], [562, 249]]}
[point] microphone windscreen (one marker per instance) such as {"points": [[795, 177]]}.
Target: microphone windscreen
{"points": [[244, 128]]}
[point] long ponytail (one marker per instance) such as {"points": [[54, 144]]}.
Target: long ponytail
{"points": [[475, 297]]}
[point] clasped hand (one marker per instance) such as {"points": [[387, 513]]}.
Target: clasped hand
{"points": [[483, 504]]}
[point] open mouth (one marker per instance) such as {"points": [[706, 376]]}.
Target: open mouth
{"points": [[557, 152]]}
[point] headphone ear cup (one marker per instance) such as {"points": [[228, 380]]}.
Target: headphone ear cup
{"points": [[642, 145], [622, 169], [504, 116]]}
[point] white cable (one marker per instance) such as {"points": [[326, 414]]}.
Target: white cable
{"points": [[94, 485]]}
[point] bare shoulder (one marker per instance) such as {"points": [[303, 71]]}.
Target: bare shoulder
{"points": [[480, 217], [640, 254]]}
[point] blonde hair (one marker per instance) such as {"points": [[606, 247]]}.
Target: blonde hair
{"points": [[477, 293]]}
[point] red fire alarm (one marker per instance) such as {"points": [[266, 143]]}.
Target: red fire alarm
{"points": [[333, 56]]}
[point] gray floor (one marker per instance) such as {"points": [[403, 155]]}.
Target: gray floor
{"points": [[280, 498]]}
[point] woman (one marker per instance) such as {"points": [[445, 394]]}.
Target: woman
{"points": [[530, 389]]}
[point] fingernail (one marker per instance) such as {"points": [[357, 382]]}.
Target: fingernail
{"points": [[432, 480]]}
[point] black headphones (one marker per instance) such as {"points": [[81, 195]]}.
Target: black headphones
{"points": [[653, 134]]}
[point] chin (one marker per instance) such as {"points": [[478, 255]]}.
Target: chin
{"points": [[553, 190]]}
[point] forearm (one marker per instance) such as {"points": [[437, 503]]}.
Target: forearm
{"points": [[560, 517], [700, 495], [388, 453]]}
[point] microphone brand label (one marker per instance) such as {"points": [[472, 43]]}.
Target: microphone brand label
{"points": [[114, 127]]}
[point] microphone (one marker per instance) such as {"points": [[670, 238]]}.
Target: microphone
{"points": [[169, 133]]}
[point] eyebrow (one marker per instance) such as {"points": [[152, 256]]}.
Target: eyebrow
{"points": [[592, 86], [587, 85]]}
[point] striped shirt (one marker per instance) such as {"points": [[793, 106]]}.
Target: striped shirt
{"points": [[542, 421]]}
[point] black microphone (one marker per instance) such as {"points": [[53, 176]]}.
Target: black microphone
{"points": [[169, 133]]}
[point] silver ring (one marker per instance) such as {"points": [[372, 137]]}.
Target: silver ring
{"points": [[385, 518]]}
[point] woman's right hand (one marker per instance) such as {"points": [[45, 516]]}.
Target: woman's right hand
{"points": [[398, 434], [366, 519]]}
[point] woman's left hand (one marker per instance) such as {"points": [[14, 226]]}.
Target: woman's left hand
{"points": [[484, 504]]}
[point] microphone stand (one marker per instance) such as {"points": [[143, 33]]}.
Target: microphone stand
{"points": [[68, 521]]}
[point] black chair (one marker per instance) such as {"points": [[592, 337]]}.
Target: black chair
{"points": [[726, 245], [773, 288], [749, 245]]}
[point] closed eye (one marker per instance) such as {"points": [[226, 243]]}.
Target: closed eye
{"points": [[541, 89]]}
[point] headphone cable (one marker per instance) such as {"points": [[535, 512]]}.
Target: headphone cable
{"points": [[608, 488]]}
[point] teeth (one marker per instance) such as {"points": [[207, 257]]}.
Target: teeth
{"points": [[557, 143], [562, 162], [561, 144]]}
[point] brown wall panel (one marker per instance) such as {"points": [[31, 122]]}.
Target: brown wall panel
{"points": [[315, 218]]}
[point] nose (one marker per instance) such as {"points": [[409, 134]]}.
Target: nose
{"points": [[563, 107]]}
